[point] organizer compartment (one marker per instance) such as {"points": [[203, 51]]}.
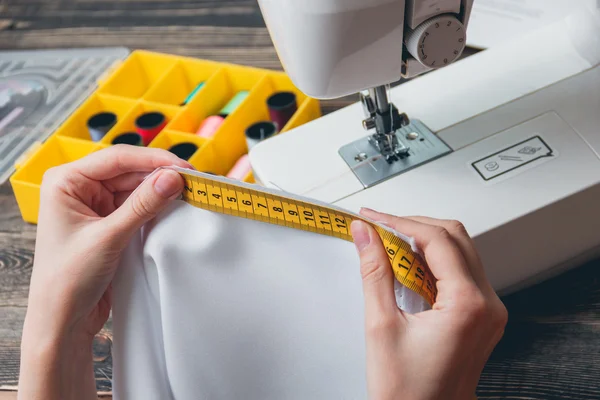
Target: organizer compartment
{"points": [[166, 139], [148, 82], [76, 125], [230, 141], [27, 180], [174, 87], [206, 160], [215, 94], [138, 74]]}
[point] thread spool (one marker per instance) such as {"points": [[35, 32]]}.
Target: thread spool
{"points": [[209, 126], [193, 93], [241, 168], [234, 103], [282, 106], [258, 132], [149, 125], [184, 150], [130, 138], [99, 124]]}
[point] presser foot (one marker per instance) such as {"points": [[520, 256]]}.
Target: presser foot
{"points": [[389, 146], [371, 166]]}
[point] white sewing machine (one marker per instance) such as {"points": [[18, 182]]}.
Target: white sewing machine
{"points": [[506, 141]]}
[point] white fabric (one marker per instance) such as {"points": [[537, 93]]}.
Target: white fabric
{"points": [[209, 306]]}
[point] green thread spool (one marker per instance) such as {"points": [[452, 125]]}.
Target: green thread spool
{"points": [[234, 102]]}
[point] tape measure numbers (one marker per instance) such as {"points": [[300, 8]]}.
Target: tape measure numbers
{"points": [[240, 199]]}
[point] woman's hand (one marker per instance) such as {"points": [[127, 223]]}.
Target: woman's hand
{"points": [[89, 210], [436, 354]]}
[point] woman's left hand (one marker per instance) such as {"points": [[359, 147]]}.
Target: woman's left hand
{"points": [[89, 210]]}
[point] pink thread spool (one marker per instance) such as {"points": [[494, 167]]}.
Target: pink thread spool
{"points": [[241, 168], [209, 126]]}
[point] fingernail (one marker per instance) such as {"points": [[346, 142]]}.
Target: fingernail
{"points": [[374, 215], [360, 234], [368, 211], [190, 166], [168, 184]]}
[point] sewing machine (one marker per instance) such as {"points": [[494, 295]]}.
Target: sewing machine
{"points": [[506, 141]]}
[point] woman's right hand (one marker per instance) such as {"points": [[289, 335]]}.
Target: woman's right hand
{"points": [[436, 354]]}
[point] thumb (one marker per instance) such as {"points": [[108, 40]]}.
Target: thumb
{"points": [[377, 274], [150, 198]]}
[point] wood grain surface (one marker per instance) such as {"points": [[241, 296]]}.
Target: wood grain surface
{"points": [[551, 348]]}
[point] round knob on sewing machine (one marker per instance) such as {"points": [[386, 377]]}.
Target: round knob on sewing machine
{"points": [[437, 42]]}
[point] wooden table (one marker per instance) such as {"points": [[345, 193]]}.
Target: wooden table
{"points": [[551, 348]]}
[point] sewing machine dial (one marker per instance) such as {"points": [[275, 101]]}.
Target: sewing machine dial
{"points": [[437, 42]]}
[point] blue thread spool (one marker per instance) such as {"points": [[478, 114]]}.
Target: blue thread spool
{"points": [[99, 124], [192, 94], [258, 132]]}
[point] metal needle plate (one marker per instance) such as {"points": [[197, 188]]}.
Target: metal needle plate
{"points": [[369, 166]]}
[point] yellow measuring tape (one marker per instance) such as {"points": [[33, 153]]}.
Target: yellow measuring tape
{"points": [[254, 202]]}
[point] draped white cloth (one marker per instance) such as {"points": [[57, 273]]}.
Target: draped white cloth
{"points": [[210, 306]]}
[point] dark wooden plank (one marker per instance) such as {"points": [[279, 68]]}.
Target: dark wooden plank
{"points": [[43, 15], [17, 241], [10, 341], [551, 347]]}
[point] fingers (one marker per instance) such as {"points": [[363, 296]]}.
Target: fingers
{"points": [[377, 275], [466, 245], [121, 159], [494, 311], [151, 197], [121, 197], [126, 182], [442, 254]]}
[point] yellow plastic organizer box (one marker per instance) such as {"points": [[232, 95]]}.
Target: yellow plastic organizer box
{"points": [[152, 82]]}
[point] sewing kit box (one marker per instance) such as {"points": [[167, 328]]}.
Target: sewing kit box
{"points": [[49, 96]]}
